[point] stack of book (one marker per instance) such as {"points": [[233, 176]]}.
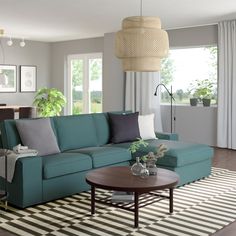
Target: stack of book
{"points": [[118, 196]]}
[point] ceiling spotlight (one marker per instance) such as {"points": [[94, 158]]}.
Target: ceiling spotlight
{"points": [[22, 43], [9, 42]]}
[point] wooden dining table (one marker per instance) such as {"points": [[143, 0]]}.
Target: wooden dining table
{"points": [[15, 107]]}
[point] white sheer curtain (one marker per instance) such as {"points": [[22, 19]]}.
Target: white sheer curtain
{"points": [[139, 94], [226, 119]]}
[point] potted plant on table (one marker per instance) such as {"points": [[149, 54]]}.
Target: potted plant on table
{"points": [[49, 102], [149, 159]]}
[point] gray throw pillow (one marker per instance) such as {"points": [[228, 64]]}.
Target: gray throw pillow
{"points": [[124, 127], [38, 134]]}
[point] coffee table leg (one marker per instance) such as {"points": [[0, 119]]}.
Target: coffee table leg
{"points": [[136, 198], [171, 204], [92, 200]]}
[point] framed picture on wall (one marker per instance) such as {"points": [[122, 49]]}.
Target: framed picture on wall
{"points": [[28, 78], [7, 78]]}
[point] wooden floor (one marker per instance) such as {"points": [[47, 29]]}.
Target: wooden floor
{"points": [[223, 158], [226, 159]]}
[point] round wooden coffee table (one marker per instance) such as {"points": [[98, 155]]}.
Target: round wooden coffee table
{"points": [[120, 178]]}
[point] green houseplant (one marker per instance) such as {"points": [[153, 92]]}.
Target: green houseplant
{"points": [[49, 102], [202, 91], [149, 159]]}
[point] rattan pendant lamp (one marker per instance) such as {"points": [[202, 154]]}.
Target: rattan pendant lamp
{"points": [[141, 43]]}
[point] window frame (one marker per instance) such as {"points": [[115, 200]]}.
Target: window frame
{"points": [[193, 47], [86, 89]]}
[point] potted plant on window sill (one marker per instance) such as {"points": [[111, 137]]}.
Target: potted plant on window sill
{"points": [[193, 101], [202, 92]]}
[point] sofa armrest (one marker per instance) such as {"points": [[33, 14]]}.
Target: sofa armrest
{"points": [[26, 187], [167, 136]]}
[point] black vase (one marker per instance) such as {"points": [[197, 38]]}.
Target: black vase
{"points": [[206, 102], [193, 101]]}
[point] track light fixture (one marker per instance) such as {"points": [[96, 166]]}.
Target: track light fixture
{"points": [[9, 42], [22, 43]]}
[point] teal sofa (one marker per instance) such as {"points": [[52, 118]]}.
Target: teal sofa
{"points": [[84, 144]]}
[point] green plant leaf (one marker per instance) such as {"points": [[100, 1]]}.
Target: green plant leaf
{"points": [[49, 102]]}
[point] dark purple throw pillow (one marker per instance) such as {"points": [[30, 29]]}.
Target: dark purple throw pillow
{"points": [[124, 127]]}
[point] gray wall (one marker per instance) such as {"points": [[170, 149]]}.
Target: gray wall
{"points": [[61, 50], [113, 77], [113, 84], [34, 53], [201, 36], [193, 124]]}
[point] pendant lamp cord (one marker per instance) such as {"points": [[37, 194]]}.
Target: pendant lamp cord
{"points": [[141, 8], [2, 49]]}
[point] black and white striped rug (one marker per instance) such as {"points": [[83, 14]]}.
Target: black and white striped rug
{"points": [[200, 208]]}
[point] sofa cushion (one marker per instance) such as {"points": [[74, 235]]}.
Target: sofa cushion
{"points": [[76, 131], [146, 126], [104, 156], [124, 127], [38, 134], [102, 128], [65, 163]]}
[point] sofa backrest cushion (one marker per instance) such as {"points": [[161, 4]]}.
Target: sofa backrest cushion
{"points": [[146, 126], [10, 135], [38, 134], [75, 131], [102, 128], [124, 127]]}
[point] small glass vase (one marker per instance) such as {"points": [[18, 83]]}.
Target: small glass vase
{"points": [[144, 172], [151, 166], [137, 167]]}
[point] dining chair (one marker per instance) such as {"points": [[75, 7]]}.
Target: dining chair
{"points": [[27, 112], [7, 113]]}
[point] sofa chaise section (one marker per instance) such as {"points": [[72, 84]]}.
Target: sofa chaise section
{"points": [[191, 161]]}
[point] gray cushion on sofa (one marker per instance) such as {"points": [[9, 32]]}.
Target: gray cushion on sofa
{"points": [[38, 134]]}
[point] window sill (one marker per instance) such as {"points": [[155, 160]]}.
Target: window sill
{"points": [[188, 105]]}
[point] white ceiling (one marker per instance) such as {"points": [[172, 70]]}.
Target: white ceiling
{"points": [[60, 20]]}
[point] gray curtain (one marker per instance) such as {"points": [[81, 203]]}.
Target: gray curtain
{"points": [[139, 95], [226, 118]]}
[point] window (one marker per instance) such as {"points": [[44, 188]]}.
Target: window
{"points": [[188, 69], [85, 83]]}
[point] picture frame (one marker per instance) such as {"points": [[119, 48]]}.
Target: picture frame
{"points": [[28, 78], [8, 83]]}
